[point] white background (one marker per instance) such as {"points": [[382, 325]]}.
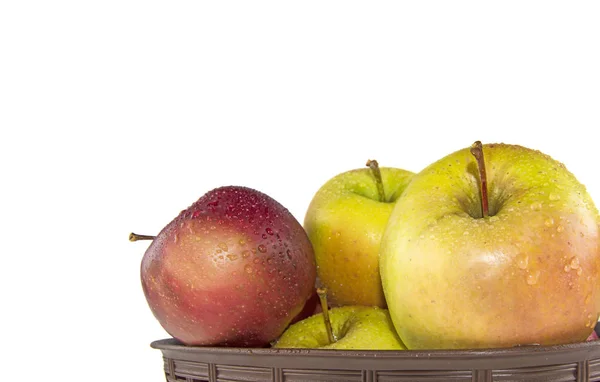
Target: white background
{"points": [[115, 115]]}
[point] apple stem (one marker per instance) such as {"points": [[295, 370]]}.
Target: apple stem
{"points": [[322, 292], [477, 151], [374, 166], [136, 237]]}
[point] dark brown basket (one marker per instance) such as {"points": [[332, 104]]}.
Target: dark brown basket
{"points": [[574, 362]]}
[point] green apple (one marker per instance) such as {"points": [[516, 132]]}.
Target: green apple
{"points": [[509, 256], [353, 327], [345, 222]]}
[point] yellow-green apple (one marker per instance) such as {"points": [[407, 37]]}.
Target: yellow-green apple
{"points": [[344, 222], [233, 269], [493, 246], [353, 327]]}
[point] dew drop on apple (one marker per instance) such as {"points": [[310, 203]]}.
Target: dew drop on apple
{"points": [[588, 299], [245, 254], [560, 228], [248, 269], [590, 322], [523, 261], [532, 277], [262, 248], [536, 206], [554, 197], [574, 264], [269, 231], [549, 222]]}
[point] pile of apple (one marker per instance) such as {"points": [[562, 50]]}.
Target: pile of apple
{"points": [[491, 246]]}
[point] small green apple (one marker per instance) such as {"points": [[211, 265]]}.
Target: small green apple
{"points": [[353, 327], [345, 222], [517, 266]]}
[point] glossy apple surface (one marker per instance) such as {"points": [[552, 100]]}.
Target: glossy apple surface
{"points": [[233, 269], [345, 222], [354, 327], [528, 273]]}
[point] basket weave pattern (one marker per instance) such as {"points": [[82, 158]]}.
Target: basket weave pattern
{"points": [[565, 363]]}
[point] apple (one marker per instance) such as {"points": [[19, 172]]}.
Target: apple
{"points": [[233, 269], [311, 307], [495, 246], [353, 327], [344, 222]]}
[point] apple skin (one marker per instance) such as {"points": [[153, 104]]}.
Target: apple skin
{"points": [[311, 307], [354, 327], [232, 270], [529, 274], [345, 222]]}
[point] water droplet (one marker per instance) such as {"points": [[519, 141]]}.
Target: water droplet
{"points": [[232, 257], [175, 238], [554, 197], [579, 271], [574, 264], [590, 322], [532, 278], [523, 261], [269, 260], [588, 298], [549, 222], [536, 206], [262, 248], [195, 214], [466, 233], [256, 260], [248, 269], [269, 231], [246, 254], [560, 228], [242, 241], [567, 268], [264, 236], [223, 247], [221, 257]]}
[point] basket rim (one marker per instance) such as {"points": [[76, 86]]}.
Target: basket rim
{"points": [[591, 347]]}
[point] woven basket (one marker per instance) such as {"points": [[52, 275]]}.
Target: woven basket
{"points": [[573, 362]]}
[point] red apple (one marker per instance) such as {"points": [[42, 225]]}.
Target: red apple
{"points": [[233, 269]]}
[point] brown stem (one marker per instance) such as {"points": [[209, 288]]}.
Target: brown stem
{"points": [[374, 166], [322, 292], [477, 151], [136, 237]]}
